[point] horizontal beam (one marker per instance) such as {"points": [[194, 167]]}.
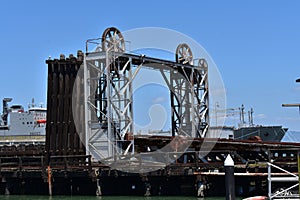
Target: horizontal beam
{"points": [[291, 105], [143, 59], [281, 179], [285, 179]]}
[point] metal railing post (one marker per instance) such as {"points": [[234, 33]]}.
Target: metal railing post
{"points": [[269, 181]]}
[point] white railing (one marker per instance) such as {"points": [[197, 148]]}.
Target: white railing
{"points": [[283, 193]]}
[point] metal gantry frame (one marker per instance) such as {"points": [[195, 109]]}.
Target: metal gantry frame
{"points": [[108, 97], [189, 95], [109, 73]]}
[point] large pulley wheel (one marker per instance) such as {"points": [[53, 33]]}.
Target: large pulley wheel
{"points": [[113, 40], [184, 54]]}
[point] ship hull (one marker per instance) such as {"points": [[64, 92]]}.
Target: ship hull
{"points": [[265, 133]]}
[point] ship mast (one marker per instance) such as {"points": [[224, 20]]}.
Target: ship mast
{"points": [[5, 110], [242, 112], [250, 116]]}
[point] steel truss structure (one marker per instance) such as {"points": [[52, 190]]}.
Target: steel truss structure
{"points": [[109, 75]]}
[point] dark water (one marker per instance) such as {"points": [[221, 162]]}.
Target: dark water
{"points": [[24, 197]]}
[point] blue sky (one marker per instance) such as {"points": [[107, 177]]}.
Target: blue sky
{"points": [[255, 44]]}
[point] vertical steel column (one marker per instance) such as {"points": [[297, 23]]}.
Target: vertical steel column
{"points": [[189, 95], [110, 100], [181, 102], [109, 114], [202, 96], [86, 91], [96, 106]]}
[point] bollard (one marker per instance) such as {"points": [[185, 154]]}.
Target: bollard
{"points": [[229, 178]]}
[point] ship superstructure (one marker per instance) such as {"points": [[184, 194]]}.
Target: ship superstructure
{"points": [[251, 131], [20, 126], [248, 130]]}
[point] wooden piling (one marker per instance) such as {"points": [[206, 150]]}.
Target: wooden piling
{"points": [[62, 137]]}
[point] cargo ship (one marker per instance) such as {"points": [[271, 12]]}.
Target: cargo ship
{"points": [[20, 126], [260, 132], [250, 131], [257, 132]]}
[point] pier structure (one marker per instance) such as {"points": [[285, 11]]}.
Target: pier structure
{"points": [[23, 169], [90, 126]]}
